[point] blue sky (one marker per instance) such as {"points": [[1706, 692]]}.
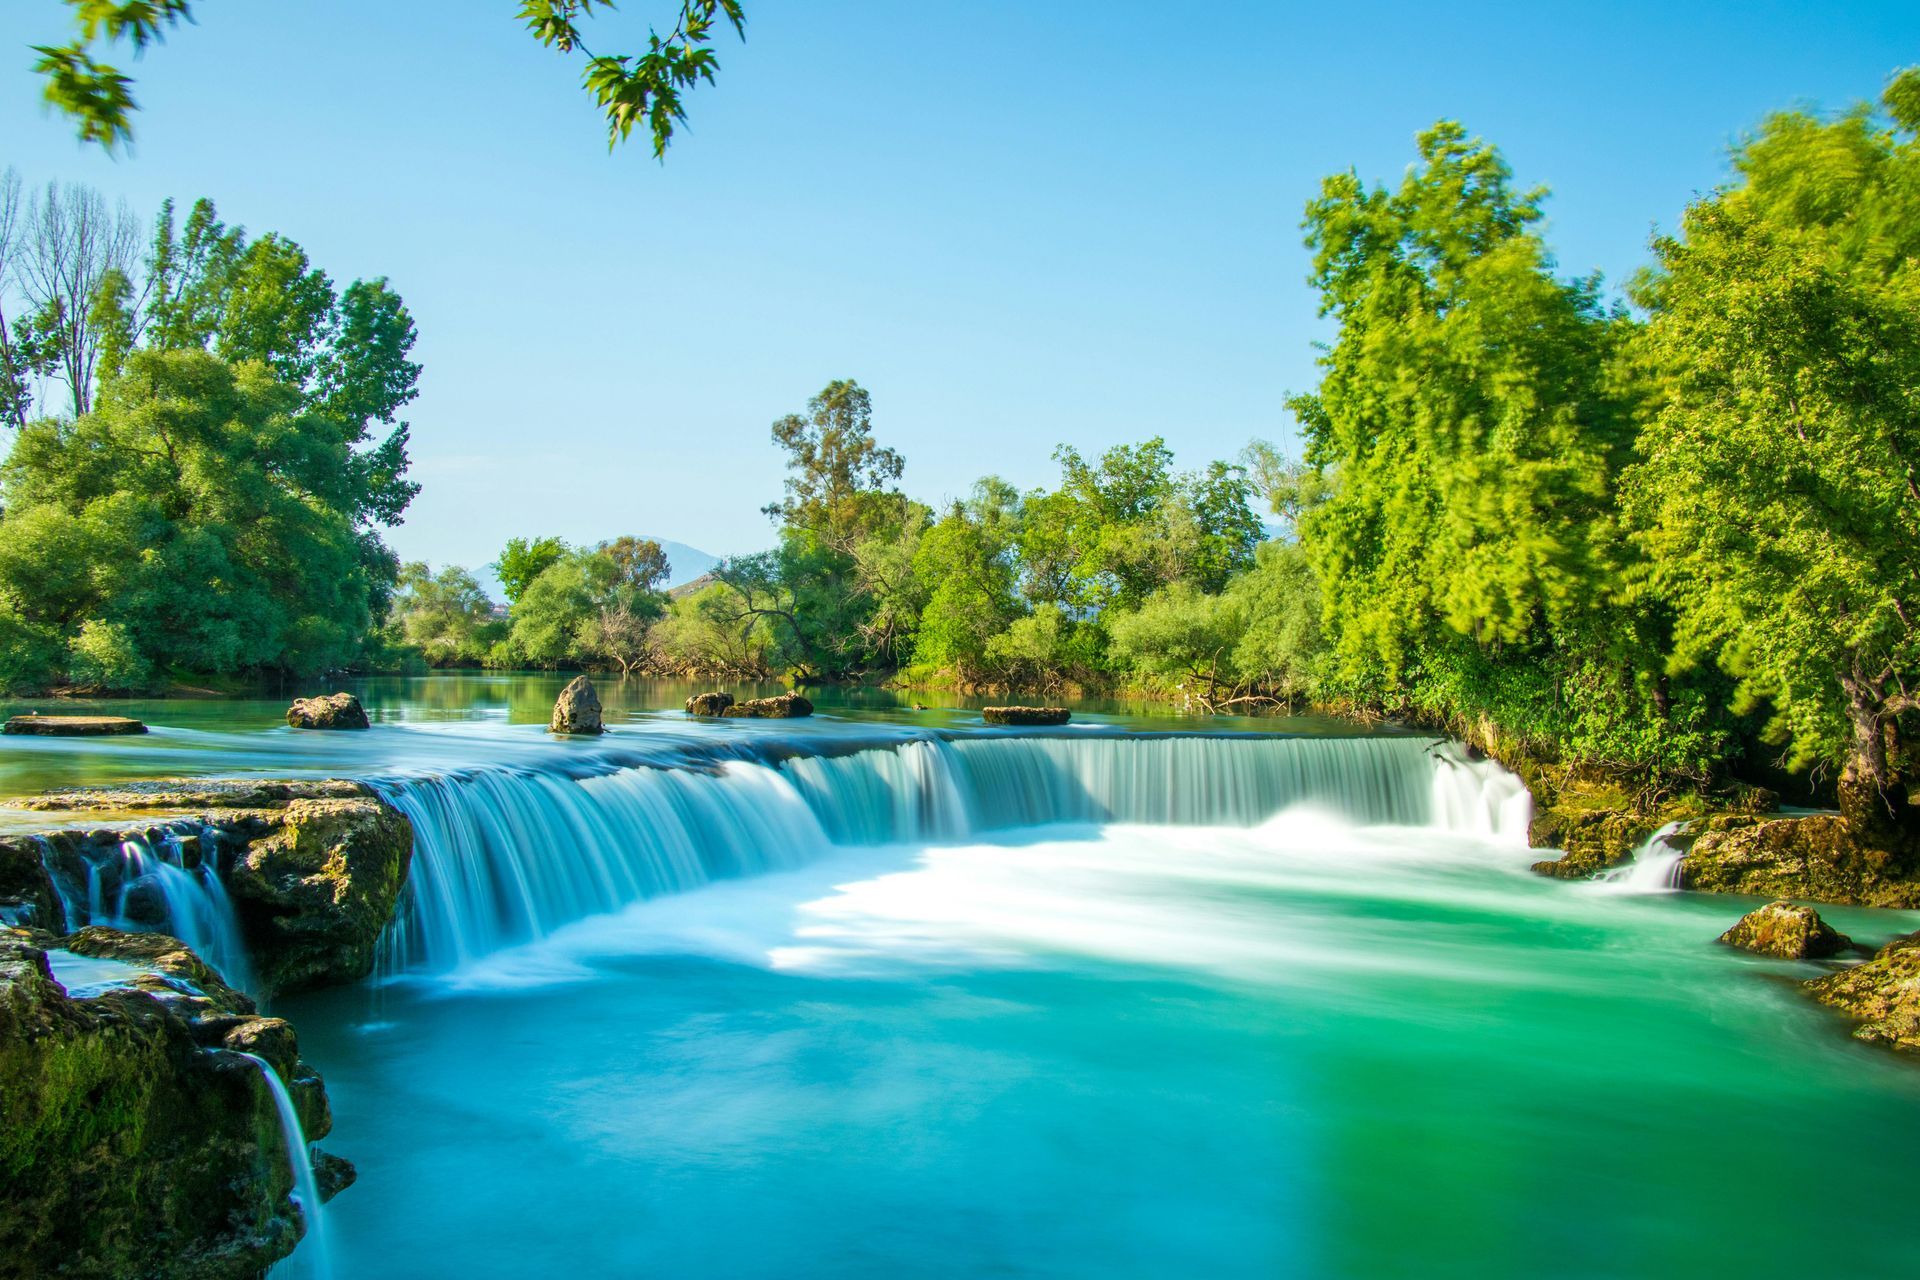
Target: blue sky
{"points": [[1016, 224]]}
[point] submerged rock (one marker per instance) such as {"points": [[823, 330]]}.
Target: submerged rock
{"points": [[709, 704], [73, 726], [333, 711], [1025, 715], [137, 1142], [1788, 931], [312, 869], [1816, 859], [1883, 995], [577, 710], [785, 706]]}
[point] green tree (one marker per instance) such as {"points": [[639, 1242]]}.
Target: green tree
{"points": [[965, 564], [1777, 497], [522, 560], [646, 88], [446, 615]]}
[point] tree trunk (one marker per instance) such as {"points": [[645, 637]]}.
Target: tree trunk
{"points": [[1872, 799]]}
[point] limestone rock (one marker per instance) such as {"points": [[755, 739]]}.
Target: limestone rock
{"points": [[577, 710], [334, 711], [785, 706], [314, 891], [1785, 930], [1025, 715], [709, 704], [72, 726], [130, 1149], [1883, 995], [1814, 859]]}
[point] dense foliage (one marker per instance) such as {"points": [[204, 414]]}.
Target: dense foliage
{"points": [[211, 505]]}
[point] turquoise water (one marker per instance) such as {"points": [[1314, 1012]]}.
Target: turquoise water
{"points": [[1314, 1024]]}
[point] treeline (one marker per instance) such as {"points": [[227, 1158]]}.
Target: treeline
{"points": [[205, 445], [1129, 573]]}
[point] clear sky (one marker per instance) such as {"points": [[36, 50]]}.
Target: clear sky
{"points": [[1016, 224]]}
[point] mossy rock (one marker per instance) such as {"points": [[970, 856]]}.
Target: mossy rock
{"points": [[1812, 859], [130, 1149], [1883, 995], [1026, 715], [785, 706], [709, 704], [1786, 931]]}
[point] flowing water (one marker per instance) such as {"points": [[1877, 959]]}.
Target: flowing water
{"points": [[889, 994], [315, 1256]]}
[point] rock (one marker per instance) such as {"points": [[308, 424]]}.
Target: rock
{"points": [[1785, 930], [331, 1174], [785, 706], [1814, 859], [334, 711], [577, 710], [72, 726], [1025, 715], [313, 869], [709, 704], [1883, 995], [136, 1142], [315, 890]]}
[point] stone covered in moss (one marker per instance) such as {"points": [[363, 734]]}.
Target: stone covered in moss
{"points": [[709, 704], [785, 706], [1883, 995], [1814, 859], [333, 711], [136, 1142], [577, 709], [1787, 931], [315, 890], [73, 726]]}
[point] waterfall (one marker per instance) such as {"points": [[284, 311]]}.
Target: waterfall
{"points": [[164, 880], [1655, 867], [504, 856], [306, 1192]]}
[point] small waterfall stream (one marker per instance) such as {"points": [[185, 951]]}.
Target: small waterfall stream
{"points": [[1655, 867], [167, 880], [306, 1189], [503, 857]]}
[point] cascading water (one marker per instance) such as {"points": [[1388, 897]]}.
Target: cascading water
{"points": [[306, 1190], [1655, 867], [503, 857], [168, 881]]}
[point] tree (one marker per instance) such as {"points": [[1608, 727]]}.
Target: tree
{"points": [[839, 478], [1777, 498], [641, 562], [201, 517], [522, 560], [968, 577], [446, 615], [1292, 486], [76, 254], [647, 87], [553, 615]]}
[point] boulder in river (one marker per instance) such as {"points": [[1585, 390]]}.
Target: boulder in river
{"points": [[1883, 994], [709, 704], [138, 1142], [1025, 715], [785, 706], [72, 726], [332, 711], [577, 710], [1788, 931]]}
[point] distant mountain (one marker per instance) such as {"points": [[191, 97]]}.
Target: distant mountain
{"points": [[687, 562]]}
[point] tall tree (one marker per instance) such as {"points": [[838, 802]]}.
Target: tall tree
{"points": [[77, 250], [838, 477], [1779, 496]]}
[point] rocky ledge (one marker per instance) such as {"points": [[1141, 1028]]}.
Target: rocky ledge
{"points": [[41, 726], [1883, 995], [1025, 715], [138, 1141], [1817, 858], [313, 869]]}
